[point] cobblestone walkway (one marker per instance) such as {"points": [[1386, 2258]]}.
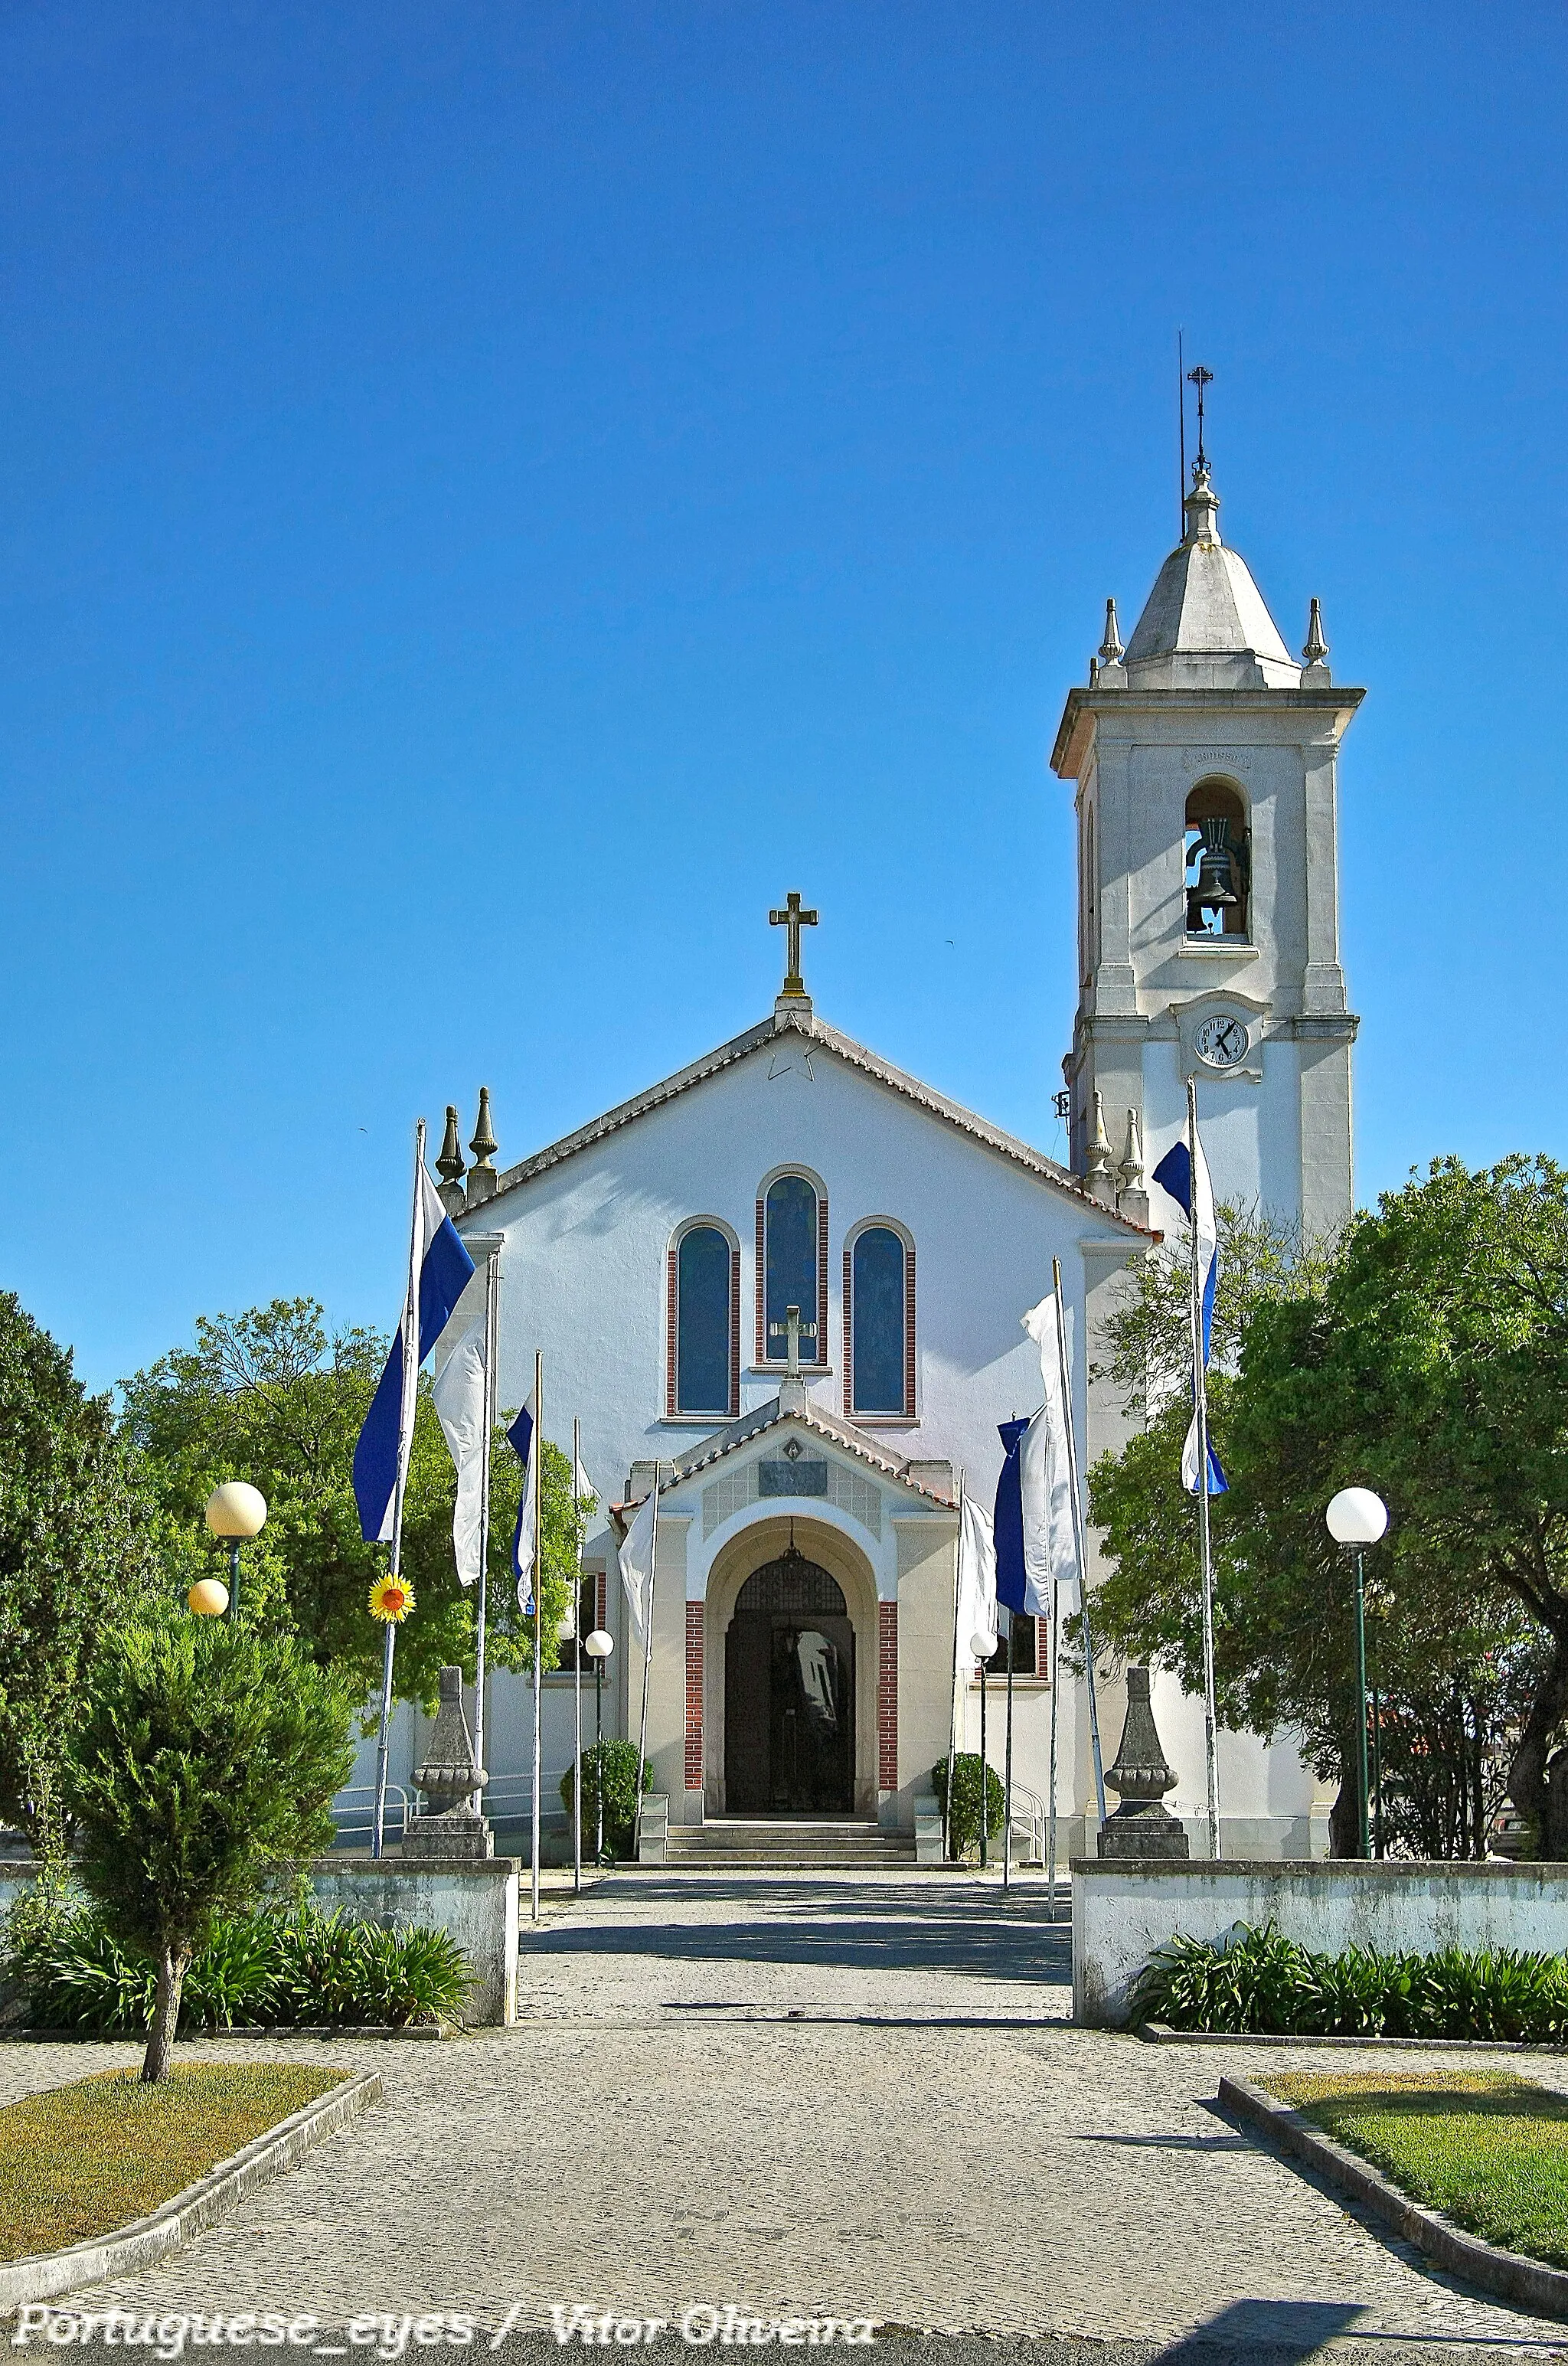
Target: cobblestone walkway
{"points": [[817, 2094]]}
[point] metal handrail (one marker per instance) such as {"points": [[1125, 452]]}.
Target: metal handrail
{"points": [[348, 1820]]}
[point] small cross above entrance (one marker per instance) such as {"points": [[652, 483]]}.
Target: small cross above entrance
{"points": [[792, 1329], [793, 918]]}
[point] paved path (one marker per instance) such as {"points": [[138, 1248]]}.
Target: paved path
{"points": [[855, 2095]]}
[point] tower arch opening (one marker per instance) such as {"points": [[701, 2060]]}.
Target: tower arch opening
{"points": [[1217, 848]]}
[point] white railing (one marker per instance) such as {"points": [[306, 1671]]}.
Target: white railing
{"points": [[354, 1813]]}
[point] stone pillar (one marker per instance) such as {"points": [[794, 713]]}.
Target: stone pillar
{"points": [[452, 1825]]}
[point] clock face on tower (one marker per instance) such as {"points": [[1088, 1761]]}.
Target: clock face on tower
{"points": [[1219, 1040]]}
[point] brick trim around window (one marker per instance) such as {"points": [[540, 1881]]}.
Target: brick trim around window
{"points": [[761, 1355], [887, 1695], [694, 1695], [672, 1330], [821, 1357], [909, 1332], [847, 1331], [734, 1333]]}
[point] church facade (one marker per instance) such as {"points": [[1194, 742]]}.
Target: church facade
{"points": [[783, 1286]]}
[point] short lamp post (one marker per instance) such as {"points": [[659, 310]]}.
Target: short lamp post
{"points": [[1357, 1518], [598, 1647], [982, 1648], [234, 1512]]}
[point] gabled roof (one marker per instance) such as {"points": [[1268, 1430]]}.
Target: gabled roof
{"points": [[792, 1017], [775, 1415]]}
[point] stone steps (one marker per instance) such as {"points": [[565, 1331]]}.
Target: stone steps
{"points": [[786, 1843]]}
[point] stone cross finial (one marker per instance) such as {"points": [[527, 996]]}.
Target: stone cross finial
{"points": [[793, 919], [793, 1330]]}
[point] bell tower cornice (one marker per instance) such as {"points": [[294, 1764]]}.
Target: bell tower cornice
{"points": [[1332, 709]]}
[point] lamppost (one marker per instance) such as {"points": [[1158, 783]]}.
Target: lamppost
{"points": [[1357, 1518], [598, 1647], [234, 1512], [982, 1648]]}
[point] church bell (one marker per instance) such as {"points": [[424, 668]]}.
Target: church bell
{"points": [[1215, 890]]}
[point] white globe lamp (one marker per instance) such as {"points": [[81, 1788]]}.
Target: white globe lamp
{"points": [[235, 1512], [1357, 1519]]}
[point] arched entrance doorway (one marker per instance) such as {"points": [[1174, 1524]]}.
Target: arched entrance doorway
{"points": [[789, 1692]]}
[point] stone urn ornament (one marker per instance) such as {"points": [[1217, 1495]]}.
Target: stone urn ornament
{"points": [[1143, 1826], [452, 1825]]}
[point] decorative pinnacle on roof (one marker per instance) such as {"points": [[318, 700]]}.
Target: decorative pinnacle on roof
{"points": [[1316, 648], [484, 1144], [793, 919], [1111, 651], [449, 1166]]}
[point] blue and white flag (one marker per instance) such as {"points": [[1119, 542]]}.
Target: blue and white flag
{"points": [[461, 1398], [520, 1437], [440, 1271], [1194, 1195], [1045, 1472], [976, 1583]]}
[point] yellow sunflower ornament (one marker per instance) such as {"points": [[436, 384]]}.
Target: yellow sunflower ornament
{"points": [[391, 1599]]}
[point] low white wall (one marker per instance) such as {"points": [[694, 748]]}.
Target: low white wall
{"points": [[1121, 1913], [476, 1902]]}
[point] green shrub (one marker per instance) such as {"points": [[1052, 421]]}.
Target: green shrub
{"points": [[618, 1761], [1255, 1981], [270, 1969], [963, 1832]]}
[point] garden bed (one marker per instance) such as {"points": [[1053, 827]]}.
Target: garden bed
{"points": [[80, 2160], [1487, 2150]]}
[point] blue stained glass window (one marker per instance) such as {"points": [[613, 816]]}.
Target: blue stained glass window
{"points": [[702, 1338], [877, 1333], [792, 1263]]}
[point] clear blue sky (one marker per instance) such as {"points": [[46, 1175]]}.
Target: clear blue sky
{"points": [[491, 495]]}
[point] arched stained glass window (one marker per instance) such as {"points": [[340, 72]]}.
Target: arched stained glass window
{"points": [[878, 1321], [791, 1253], [703, 1321]]}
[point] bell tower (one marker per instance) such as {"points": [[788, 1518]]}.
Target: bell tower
{"points": [[1205, 759]]}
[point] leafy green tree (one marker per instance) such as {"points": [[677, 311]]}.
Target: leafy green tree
{"points": [[272, 1397], [76, 1555], [1303, 1403], [208, 1758]]}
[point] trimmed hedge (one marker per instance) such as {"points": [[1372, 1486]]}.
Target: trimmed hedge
{"points": [[1256, 1982], [618, 1761], [965, 1833]]}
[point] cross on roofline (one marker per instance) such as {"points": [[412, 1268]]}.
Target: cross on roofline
{"points": [[792, 1329], [793, 918]]}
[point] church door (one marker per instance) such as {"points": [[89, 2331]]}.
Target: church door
{"points": [[789, 1692]]}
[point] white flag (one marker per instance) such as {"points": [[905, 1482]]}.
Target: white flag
{"points": [[583, 1486], [976, 1582], [1050, 1531], [635, 1560], [458, 1394]]}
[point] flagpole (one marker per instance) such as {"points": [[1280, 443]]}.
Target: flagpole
{"points": [[1007, 1785], [1078, 1532], [492, 1292], [577, 1668], [405, 1439], [647, 1664], [1200, 1412], [952, 1688], [1054, 1665], [538, 1601]]}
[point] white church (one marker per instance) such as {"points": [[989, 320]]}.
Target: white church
{"points": [[802, 1645]]}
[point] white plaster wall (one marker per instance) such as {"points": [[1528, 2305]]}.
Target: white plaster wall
{"points": [[583, 1270], [1121, 1913]]}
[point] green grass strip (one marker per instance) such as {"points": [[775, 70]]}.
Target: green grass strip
{"points": [[80, 2160], [1489, 2151]]}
